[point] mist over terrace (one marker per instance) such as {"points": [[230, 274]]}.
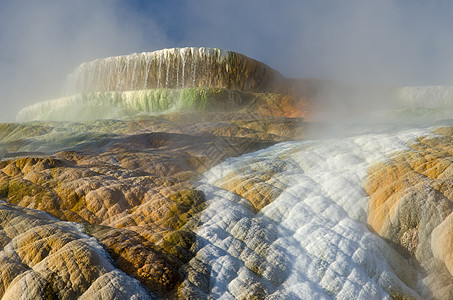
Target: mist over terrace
{"points": [[373, 43]]}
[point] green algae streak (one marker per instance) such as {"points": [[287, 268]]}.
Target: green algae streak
{"points": [[122, 104]]}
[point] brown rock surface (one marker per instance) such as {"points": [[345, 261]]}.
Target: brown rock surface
{"points": [[179, 79]]}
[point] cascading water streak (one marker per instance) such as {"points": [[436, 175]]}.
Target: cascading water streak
{"points": [[177, 67]]}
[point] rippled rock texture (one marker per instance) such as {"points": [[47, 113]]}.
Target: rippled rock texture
{"points": [[45, 258], [290, 222], [411, 205], [130, 187]]}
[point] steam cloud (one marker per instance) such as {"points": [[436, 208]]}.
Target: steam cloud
{"points": [[377, 42]]}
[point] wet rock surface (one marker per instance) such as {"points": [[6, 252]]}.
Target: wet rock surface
{"points": [[411, 205]]}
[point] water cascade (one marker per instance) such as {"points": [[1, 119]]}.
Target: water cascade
{"points": [[157, 82], [174, 68]]}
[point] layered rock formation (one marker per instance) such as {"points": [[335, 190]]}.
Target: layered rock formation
{"points": [[131, 183], [179, 79], [168, 184], [294, 226], [135, 194]]}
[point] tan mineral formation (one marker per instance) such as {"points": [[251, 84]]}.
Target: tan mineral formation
{"points": [[411, 205], [43, 257]]}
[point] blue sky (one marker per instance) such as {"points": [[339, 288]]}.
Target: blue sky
{"points": [[397, 42]]}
